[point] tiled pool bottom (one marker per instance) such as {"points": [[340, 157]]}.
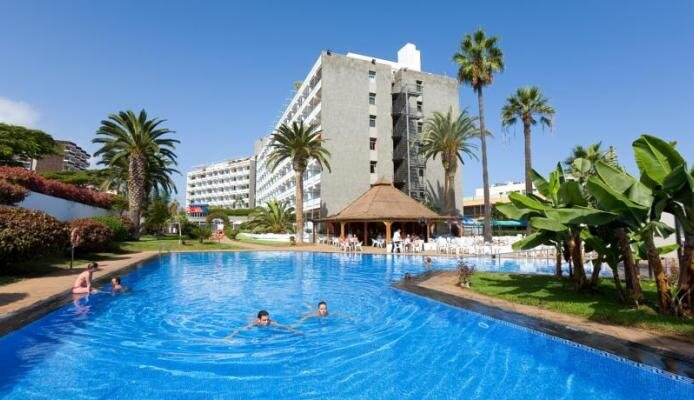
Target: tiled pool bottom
{"points": [[165, 339]]}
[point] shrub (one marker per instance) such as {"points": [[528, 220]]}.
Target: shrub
{"points": [[25, 234], [93, 235], [230, 232], [36, 183], [201, 233], [10, 193], [121, 227], [465, 272]]}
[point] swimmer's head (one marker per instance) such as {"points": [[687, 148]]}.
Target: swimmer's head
{"points": [[263, 317], [115, 281], [322, 308]]}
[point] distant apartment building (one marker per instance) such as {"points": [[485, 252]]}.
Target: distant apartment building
{"points": [[473, 207], [69, 157], [229, 184], [371, 113]]}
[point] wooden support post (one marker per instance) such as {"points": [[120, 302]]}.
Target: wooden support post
{"points": [[366, 234], [342, 230], [388, 238], [428, 230], [460, 229]]}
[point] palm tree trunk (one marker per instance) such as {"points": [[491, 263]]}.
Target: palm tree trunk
{"points": [[633, 285], [576, 250], [685, 282], [595, 275], [664, 296], [485, 171], [617, 283], [299, 205], [557, 266], [445, 190], [528, 164], [136, 190]]}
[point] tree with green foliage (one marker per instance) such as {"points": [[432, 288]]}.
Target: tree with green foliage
{"points": [[140, 146], [479, 59], [449, 136], [18, 143], [91, 177], [298, 143], [529, 106], [157, 215], [580, 169], [275, 217]]}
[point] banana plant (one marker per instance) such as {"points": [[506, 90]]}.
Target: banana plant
{"points": [[600, 240], [560, 215], [664, 171], [639, 216]]}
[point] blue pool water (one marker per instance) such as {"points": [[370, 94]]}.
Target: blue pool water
{"points": [[166, 340]]}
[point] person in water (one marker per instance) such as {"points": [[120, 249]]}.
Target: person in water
{"points": [[262, 320], [321, 312], [116, 286], [83, 282], [427, 263]]}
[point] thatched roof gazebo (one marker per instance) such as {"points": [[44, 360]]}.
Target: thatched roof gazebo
{"points": [[383, 203]]}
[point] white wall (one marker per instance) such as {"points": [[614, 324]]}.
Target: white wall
{"points": [[64, 210]]}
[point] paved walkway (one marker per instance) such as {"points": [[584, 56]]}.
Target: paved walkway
{"points": [[446, 282], [29, 292]]}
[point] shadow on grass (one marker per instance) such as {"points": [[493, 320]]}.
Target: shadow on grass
{"points": [[7, 298], [599, 305]]}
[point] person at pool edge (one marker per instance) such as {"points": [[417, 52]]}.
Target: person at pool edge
{"points": [[262, 320], [83, 282]]}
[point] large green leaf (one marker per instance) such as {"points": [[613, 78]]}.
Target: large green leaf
{"points": [[668, 248], [570, 194], [553, 186], [546, 224], [523, 201], [655, 159], [533, 240], [581, 215], [582, 165], [675, 179], [617, 179], [640, 194], [540, 183], [513, 212], [609, 199]]}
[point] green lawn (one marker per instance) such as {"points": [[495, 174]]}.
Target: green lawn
{"points": [[55, 264], [242, 238], [600, 306]]}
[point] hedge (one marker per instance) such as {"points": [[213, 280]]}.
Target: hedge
{"points": [[92, 235], [10, 193], [26, 234], [36, 183], [121, 227]]}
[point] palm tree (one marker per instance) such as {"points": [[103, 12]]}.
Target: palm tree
{"points": [[139, 146], [525, 105], [592, 153], [298, 143], [275, 217], [479, 58], [449, 136]]}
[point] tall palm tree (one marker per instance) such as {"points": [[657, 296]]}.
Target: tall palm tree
{"points": [[142, 145], [298, 143], [479, 58], [524, 106], [275, 217], [449, 136]]}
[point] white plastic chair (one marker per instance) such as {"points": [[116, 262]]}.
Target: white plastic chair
{"points": [[357, 246]]}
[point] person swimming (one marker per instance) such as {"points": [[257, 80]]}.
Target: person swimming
{"points": [[263, 319], [321, 312], [83, 282], [427, 262], [116, 286]]}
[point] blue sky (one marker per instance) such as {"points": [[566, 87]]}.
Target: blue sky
{"points": [[219, 72]]}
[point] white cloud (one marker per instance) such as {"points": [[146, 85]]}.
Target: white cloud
{"points": [[18, 113]]}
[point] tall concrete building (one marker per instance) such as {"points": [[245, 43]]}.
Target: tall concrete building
{"points": [[229, 184], [68, 157], [371, 113]]}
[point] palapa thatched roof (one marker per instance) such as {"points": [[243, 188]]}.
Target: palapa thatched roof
{"points": [[384, 202]]}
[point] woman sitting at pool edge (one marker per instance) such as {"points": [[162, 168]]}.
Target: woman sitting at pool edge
{"points": [[262, 320], [83, 282]]}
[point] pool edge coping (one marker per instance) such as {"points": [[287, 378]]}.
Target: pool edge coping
{"points": [[661, 360]]}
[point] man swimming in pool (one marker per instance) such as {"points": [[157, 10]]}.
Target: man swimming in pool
{"points": [[262, 320], [116, 286], [83, 282]]}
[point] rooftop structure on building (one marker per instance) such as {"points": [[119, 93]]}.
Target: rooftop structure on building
{"points": [[229, 184], [68, 157], [371, 113]]}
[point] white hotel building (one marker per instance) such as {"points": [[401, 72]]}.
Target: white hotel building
{"points": [[229, 184]]}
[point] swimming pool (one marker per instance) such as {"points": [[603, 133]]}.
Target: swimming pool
{"points": [[165, 339]]}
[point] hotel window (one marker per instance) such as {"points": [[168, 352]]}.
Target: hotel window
{"points": [[372, 143], [372, 121], [419, 106], [372, 167], [419, 86], [372, 75], [372, 98], [420, 127], [421, 172]]}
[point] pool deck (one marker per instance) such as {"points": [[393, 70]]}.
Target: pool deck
{"points": [[667, 352]]}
